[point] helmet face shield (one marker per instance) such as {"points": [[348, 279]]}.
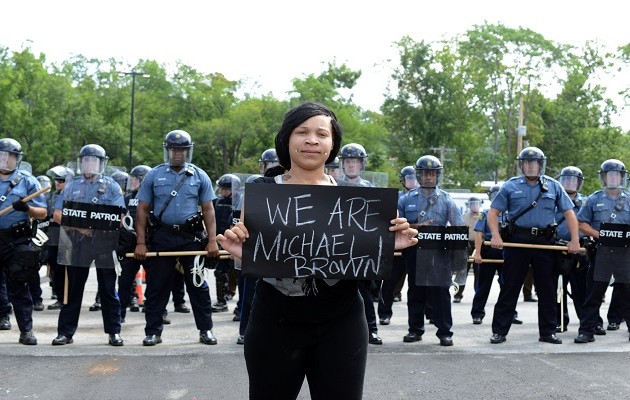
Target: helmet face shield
{"points": [[429, 178], [352, 167], [474, 205], [177, 156], [532, 167], [410, 182], [613, 179], [133, 183], [91, 165], [9, 161], [571, 184]]}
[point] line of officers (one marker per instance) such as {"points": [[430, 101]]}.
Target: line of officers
{"points": [[174, 207]]}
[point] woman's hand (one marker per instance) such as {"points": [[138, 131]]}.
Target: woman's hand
{"points": [[406, 236], [232, 240]]}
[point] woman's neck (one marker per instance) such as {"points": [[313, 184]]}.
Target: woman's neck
{"points": [[298, 176]]}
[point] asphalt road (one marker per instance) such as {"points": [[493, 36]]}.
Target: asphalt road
{"points": [[182, 368]]}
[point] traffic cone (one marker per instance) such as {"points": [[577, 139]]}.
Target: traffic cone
{"points": [[139, 281]]}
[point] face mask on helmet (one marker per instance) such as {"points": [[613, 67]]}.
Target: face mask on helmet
{"points": [[9, 161], [91, 165], [429, 178], [410, 182], [532, 167], [474, 205], [613, 179], [353, 167], [177, 156], [570, 183]]}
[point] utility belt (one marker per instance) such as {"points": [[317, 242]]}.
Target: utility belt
{"points": [[18, 230], [189, 227], [550, 231]]}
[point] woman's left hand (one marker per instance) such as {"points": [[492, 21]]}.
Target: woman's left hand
{"points": [[406, 236]]}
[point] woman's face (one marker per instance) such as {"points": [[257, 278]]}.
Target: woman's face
{"points": [[311, 142]]}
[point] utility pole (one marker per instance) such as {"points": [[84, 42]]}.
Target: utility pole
{"points": [[133, 96], [443, 150]]}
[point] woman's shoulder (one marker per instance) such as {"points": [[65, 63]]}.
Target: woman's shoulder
{"points": [[264, 179]]}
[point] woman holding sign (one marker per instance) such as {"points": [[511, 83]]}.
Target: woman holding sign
{"points": [[311, 328]]}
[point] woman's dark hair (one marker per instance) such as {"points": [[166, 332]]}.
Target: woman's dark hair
{"points": [[293, 118]]}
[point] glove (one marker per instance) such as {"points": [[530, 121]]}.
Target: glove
{"points": [[19, 205]]}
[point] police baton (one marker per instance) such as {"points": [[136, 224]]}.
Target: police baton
{"points": [[223, 255], [534, 246], [26, 199]]}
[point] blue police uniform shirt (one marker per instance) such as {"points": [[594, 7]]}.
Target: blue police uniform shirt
{"points": [[83, 191], [442, 210], [517, 194], [360, 182], [562, 230], [482, 225], [601, 207], [28, 185], [162, 180]]}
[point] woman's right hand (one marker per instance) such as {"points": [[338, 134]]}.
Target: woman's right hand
{"points": [[233, 238]]}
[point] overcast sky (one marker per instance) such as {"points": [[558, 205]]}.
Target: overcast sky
{"points": [[268, 43]]}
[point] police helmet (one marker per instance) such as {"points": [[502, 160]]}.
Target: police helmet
{"points": [[227, 181], [90, 153], [140, 171], [333, 164], [12, 146], [43, 180], [120, 177], [530, 154], [571, 179], [269, 156], [268, 159], [494, 190], [352, 150], [606, 171], [474, 201], [408, 176], [60, 172], [428, 163], [177, 139], [252, 178]]}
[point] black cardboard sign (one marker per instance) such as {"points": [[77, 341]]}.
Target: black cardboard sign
{"points": [[332, 232]]}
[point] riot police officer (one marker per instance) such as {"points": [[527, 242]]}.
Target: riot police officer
{"points": [[227, 184], [268, 159], [15, 233], [35, 284], [79, 247], [470, 219], [428, 205], [571, 266], [530, 201], [486, 270], [353, 158], [171, 192], [333, 169], [121, 178], [60, 175], [609, 205], [126, 242], [390, 286]]}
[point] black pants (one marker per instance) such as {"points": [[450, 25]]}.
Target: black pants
{"points": [[110, 303], [485, 278], [160, 272], [368, 305], [435, 301], [17, 294], [590, 310], [279, 354], [247, 288], [516, 264], [388, 287]]}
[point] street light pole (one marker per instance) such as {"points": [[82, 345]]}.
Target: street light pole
{"points": [[133, 98]]}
